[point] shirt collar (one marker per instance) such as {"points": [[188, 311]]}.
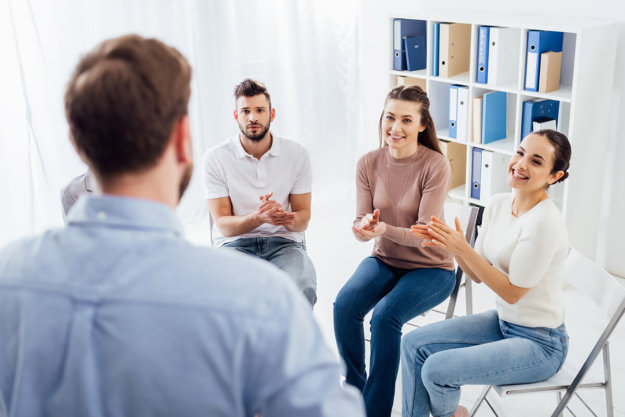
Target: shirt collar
{"points": [[239, 152], [124, 212]]}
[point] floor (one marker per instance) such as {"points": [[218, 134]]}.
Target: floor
{"points": [[336, 254]]}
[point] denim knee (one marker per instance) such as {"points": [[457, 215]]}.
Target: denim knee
{"points": [[434, 372], [383, 318], [343, 304]]}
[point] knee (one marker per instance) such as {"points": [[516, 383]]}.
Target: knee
{"points": [[435, 372], [384, 319], [412, 348], [344, 302]]}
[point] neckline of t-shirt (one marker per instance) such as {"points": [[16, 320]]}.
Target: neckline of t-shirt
{"points": [[511, 200]]}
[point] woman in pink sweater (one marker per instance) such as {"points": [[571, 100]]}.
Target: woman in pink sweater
{"points": [[402, 183]]}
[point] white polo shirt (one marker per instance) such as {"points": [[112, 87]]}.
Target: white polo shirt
{"points": [[229, 171]]}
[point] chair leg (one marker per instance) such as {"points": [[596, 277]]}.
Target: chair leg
{"points": [[559, 397], [609, 404], [479, 401], [468, 292], [451, 306]]}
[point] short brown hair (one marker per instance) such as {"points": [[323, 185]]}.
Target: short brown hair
{"points": [[251, 88], [415, 94], [122, 101]]}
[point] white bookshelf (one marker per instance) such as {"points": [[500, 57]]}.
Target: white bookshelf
{"points": [[585, 82]]}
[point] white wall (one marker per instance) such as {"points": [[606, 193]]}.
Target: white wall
{"points": [[375, 56]]}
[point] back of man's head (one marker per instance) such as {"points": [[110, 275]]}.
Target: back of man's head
{"points": [[122, 102]]}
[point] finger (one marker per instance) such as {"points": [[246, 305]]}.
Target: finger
{"points": [[437, 243], [421, 235], [357, 232], [437, 220], [440, 227], [419, 227], [436, 234], [458, 226], [376, 214]]}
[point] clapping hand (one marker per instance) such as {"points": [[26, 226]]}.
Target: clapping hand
{"points": [[270, 211], [437, 234], [370, 226]]}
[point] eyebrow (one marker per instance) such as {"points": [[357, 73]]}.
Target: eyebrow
{"points": [[536, 155], [250, 107], [393, 114]]}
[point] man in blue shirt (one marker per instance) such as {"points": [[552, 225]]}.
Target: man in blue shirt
{"points": [[117, 314]]}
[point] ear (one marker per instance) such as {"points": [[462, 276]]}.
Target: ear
{"points": [[182, 140], [555, 177], [273, 114], [236, 115]]}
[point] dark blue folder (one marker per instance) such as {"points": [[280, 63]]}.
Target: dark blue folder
{"points": [[415, 53], [402, 29], [535, 110]]}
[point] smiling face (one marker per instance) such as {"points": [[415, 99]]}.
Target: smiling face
{"points": [[530, 167], [401, 125]]}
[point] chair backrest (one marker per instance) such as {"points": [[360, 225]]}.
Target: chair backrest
{"points": [[467, 216], [595, 282]]}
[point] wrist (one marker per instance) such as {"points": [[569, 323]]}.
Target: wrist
{"points": [[256, 219]]}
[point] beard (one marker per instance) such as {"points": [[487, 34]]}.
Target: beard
{"points": [[185, 180], [259, 135]]}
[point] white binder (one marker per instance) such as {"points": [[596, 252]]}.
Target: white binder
{"points": [[503, 55]]}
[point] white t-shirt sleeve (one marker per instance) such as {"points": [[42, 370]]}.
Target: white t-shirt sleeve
{"points": [[534, 253], [303, 179], [213, 176]]}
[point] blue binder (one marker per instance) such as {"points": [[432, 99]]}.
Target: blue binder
{"points": [[415, 53], [482, 54], [453, 111], [494, 116], [402, 29], [476, 173], [437, 31], [538, 42], [537, 109]]}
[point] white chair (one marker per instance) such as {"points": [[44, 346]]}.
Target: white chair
{"points": [[598, 285], [468, 218]]}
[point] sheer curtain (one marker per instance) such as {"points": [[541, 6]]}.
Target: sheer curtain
{"points": [[305, 51]]}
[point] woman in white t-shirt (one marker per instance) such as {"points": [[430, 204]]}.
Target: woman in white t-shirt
{"points": [[520, 254]]}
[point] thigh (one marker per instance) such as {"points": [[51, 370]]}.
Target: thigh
{"points": [[507, 361], [291, 257], [460, 332], [371, 281], [416, 292], [246, 245]]}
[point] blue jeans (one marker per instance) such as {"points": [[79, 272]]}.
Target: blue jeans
{"points": [[398, 295], [477, 350], [288, 255]]}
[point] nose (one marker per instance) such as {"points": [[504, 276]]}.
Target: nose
{"points": [[521, 163], [395, 127]]}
